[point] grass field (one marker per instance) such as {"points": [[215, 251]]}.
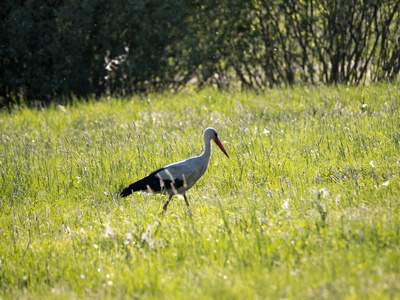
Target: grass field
{"points": [[307, 206]]}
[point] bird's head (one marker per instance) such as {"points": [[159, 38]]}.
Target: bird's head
{"points": [[211, 134]]}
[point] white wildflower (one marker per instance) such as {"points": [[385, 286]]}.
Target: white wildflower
{"points": [[285, 205], [324, 192], [129, 238], [109, 232], [266, 131]]}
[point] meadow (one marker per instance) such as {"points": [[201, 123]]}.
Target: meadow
{"points": [[306, 207]]}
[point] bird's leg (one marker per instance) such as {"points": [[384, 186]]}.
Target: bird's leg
{"points": [[187, 203], [166, 203]]}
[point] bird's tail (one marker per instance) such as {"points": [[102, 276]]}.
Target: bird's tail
{"points": [[139, 185]]}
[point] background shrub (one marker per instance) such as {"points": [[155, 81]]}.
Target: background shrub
{"points": [[51, 49]]}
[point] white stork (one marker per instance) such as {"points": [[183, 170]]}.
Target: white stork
{"points": [[177, 178]]}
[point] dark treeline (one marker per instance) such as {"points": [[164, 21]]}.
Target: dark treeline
{"points": [[56, 48]]}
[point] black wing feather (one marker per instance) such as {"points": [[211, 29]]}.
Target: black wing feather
{"points": [[153, 182]]}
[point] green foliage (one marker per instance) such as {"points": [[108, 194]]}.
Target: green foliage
{"points": [[56, 49], [307, 206]]}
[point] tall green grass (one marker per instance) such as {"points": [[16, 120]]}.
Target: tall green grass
{"points": [[307, 206]]}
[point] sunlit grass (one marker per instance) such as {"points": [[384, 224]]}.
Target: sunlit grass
{"points": [[307, 206]]}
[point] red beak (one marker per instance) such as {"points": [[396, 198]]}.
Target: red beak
{"points": [[219, 144]]}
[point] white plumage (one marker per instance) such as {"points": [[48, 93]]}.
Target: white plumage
{"points": [[177, 178]]}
